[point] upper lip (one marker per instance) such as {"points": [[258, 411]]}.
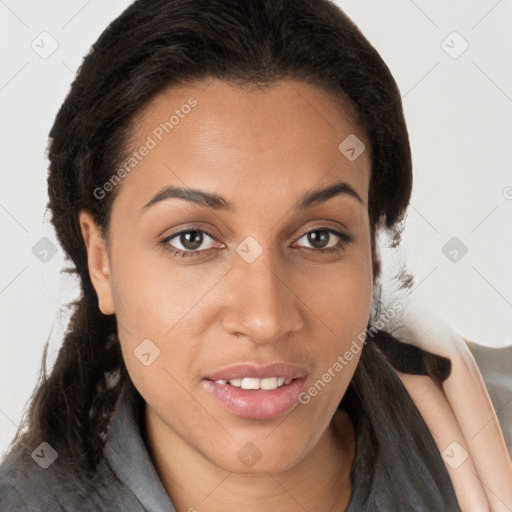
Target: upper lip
{"points": [[257, 371]]}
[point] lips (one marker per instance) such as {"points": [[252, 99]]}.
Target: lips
{"points": [[255, 371], [241, 389]]}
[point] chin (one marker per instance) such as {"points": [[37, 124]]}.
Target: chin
{"points": [[259, 454]]}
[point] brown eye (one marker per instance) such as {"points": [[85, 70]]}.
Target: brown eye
{"points": [[318, 238], [191, 240], [324, 239], [188, 242]]}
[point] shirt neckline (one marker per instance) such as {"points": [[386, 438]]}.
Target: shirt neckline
{"points": [[128, 456]]}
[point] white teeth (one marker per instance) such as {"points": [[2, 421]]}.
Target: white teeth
{"points": [[249, 383], [270, 383], [267, 384], [221, 381]]}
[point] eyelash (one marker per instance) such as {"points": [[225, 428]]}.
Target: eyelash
{"points": [[345, 239]]}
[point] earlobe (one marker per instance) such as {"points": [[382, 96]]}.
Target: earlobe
{"points": [[98, 262]]}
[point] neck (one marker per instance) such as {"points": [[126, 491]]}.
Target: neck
{"points": [[320, 481]]}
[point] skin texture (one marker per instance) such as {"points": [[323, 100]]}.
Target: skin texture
{"points": [[261, 150]]}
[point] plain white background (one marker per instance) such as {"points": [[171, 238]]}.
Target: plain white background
{"points": [[458, 107]]}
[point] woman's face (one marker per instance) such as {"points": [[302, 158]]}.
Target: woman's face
{"points": [[244, 284]]}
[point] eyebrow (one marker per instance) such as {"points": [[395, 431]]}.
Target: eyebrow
{"points": [[217, 202]]}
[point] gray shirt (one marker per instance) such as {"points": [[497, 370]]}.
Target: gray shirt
{"points": [[126, 479]]}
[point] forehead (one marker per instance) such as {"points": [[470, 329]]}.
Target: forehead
{"points": [[268, 143]]}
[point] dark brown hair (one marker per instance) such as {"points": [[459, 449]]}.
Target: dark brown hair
{"points": [[156, 44]]}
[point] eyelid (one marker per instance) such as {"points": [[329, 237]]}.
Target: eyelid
{"points": [[344, 237], [323, 227], [187, 229]]}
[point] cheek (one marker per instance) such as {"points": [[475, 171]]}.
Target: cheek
{"points": [[155, 288], [342, 297], [152, 303], [344, 306]]}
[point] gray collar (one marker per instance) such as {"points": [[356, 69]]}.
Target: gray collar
{"points": [[126, 452]]}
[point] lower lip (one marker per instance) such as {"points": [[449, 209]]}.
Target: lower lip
{"points": [[256, 404]]}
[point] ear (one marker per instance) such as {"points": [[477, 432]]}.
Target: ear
{"points": [[98, 262]]}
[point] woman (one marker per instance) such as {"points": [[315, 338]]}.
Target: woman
{"points": [[218, 174]]}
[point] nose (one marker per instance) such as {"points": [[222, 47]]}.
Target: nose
{"points": [[264, 303]]}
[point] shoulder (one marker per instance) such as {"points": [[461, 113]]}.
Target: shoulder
{"points": [[23, 487], [52, 484], [10, 497], [495, 365]]}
